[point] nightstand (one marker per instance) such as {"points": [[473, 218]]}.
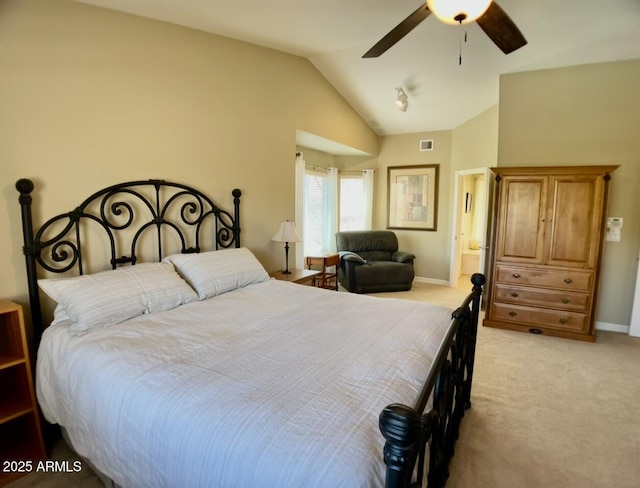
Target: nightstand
{"points": [[20, 435], [301, 276]]}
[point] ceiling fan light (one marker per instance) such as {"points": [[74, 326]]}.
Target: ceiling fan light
{"points": [[457, 12]]}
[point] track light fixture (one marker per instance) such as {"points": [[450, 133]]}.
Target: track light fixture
{"points": [[402, 101]]}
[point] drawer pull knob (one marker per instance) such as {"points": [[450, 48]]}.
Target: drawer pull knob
{"points": [[568, 281], [565, 300], [515, 295], [516, 275], [513, 314], [535, 331], [564, 320]]}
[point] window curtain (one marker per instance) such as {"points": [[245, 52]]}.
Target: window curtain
{"points": [[331, 217], [299, 172], [367, 176], [331, 202]]}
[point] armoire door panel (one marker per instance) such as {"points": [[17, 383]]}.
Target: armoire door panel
{"points": [[521, 233], [574, 219]]}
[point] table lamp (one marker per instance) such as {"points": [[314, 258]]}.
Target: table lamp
{"points": [[287, 233]]}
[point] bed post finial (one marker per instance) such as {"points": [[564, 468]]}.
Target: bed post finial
{"points": [[25, 187], [478, 280], [236, 217], [401, 427]]}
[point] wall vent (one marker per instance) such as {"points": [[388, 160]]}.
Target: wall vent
{"points": [[426, 145]]}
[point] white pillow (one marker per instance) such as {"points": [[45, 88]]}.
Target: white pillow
{"points": [[110, 297], [215, 272], [60, 316]]}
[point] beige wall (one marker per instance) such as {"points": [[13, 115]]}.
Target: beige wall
{"points": [[314, 157], [431, 248], [91, 97], [586, 114], [475, 143]]}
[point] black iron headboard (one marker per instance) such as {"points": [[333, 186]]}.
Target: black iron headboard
{"points": [[174, 211]]}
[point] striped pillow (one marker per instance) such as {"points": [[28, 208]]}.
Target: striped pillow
{"points": [[215, 272], [111, 297]]}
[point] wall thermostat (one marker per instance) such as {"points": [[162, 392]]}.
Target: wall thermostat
{"points": [[614, 229]]}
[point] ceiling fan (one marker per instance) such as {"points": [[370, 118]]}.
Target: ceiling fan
{"points": [[488, 14]]}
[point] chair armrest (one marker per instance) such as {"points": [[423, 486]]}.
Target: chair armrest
{"points": [[402, 257], [351, 256]]}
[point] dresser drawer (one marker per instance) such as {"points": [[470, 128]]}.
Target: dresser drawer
{"points": [[552, 278], [557, 319], [542, 297]]}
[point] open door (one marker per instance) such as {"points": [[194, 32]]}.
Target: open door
{"points": [[469, 244]]}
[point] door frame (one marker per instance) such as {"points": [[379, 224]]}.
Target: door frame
{"points": [[634, 327], [458, 203]]}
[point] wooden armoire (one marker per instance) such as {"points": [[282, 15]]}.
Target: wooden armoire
{"points": [[546, 250]]}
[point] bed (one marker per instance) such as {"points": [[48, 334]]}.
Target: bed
{"points": [[173, 360]]}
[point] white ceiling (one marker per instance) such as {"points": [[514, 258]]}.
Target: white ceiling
{"points": [[334, 34]]}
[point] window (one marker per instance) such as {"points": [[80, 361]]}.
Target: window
{"points": [[353, 204], [315, 209], [326, 202]]}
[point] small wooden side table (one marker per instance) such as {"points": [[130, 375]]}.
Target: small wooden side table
{"points": [[301, 276], [325, 279]]}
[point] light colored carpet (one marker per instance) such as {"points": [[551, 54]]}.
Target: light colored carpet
{"points": [[553, 413], [547, 412]]}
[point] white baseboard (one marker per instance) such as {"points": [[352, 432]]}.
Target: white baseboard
{"points": [[432, 281], [612, 327]]}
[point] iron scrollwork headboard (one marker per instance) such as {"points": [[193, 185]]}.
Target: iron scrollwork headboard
{"points": [[133, 218]]}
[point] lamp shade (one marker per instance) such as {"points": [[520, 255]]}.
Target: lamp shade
{"points": [[458, 11], [287, 233]]}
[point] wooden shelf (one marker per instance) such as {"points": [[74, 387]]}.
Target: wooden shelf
{"points": [[20, 434], [16, 398], [7, 361]]}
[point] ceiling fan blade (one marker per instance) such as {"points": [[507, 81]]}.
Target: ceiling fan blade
{"points": [[501, 29], [398, 32]]}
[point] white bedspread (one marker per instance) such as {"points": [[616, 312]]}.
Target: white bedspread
{"points": [[272, 385]]}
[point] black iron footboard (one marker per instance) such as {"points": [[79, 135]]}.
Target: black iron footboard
{"points": [[408, 430]]}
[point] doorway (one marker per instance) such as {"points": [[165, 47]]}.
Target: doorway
{"points": [[634, 328], [469, 244]]}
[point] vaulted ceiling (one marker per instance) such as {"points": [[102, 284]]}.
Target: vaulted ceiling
{"points": [[334, 34]]}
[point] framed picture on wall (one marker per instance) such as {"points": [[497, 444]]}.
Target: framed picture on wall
{"points": [[412, 193]]}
